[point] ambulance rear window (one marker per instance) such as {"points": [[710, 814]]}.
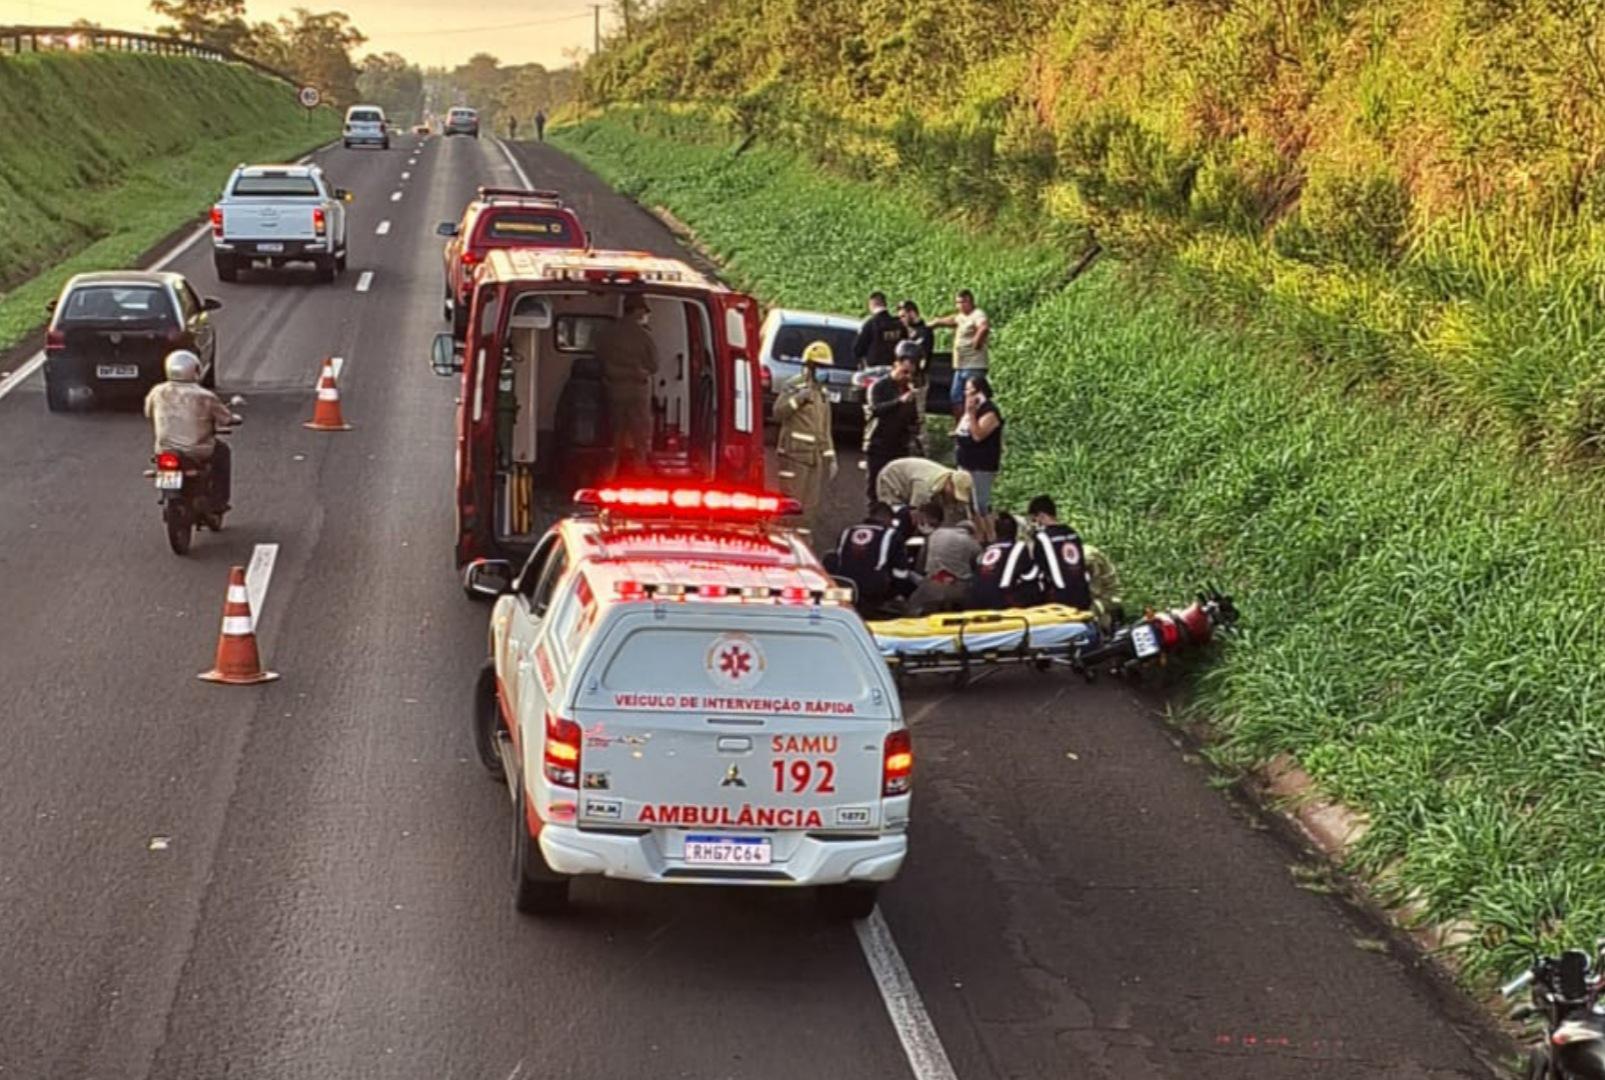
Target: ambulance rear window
{"points": [[804, 672]]}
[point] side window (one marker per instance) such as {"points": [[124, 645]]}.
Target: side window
{"points": [[566, 614], [189, 304], [556, 567], [530, 575]]}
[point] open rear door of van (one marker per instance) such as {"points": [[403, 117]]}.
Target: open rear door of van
{"points": [[736, 336]]}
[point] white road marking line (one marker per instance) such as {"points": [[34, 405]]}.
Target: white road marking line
{"points": [[412, 161], [257, 576], [395, 196], [523, 177], [37, 360], [406, 176], [365, 281], [383, 229], [913, 1025]]}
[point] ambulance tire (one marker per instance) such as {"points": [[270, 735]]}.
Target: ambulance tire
{"points": [[487, 721], [855, 900], [536, 889]]}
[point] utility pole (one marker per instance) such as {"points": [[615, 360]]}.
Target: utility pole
{"points": [[596, 29]]}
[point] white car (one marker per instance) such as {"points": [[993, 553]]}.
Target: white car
{"points": [[677, 693], [366, 126], [279, 214], [786, 333]]}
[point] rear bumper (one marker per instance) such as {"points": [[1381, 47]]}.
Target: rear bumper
{"points": [[290, 249], [70, 370], [808, 858], [366, 140]]}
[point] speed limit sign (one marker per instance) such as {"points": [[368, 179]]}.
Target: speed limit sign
{"points": [[309, 96]]}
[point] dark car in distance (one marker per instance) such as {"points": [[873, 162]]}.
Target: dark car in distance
{"points": [[110, 332], [462, 120]]}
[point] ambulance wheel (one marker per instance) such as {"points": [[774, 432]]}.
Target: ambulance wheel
{"points": [[487, 721], [536, 890], [852, 901]]}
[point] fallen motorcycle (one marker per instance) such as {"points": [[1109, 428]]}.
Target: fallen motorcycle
{"points": [[1563, 1004]]}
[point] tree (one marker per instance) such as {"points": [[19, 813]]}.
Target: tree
{"points": [[317, 49], [218, 23], [393, 84]]}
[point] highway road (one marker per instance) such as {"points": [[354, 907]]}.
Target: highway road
{"points": [[310, 878]]}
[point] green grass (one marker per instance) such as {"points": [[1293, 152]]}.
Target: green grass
{"points": [[106, 153], [1421, 629]]}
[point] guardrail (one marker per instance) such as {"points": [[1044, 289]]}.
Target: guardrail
{"points": [[15, 40]]}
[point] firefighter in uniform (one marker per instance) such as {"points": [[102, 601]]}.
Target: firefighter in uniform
{"points": [[804, 444]]}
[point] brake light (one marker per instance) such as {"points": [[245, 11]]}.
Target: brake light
{"points": [[470, 258], [217, 221], [55, 340], [726, 503], [167, 461], [562, 755], [320, 220], [897, 768], [766, 378]]}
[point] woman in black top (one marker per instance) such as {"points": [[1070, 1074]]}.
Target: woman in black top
{"points": [[978, 439]]}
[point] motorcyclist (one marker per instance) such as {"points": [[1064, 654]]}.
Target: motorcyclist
{"points": [[187, 417]]}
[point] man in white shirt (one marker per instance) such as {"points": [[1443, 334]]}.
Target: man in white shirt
{"points": [[972, 333]]}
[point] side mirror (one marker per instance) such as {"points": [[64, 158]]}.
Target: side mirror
{"points": [[446, 228], [50, 306], [211, 303], [342, 194], [444, 357], [488, 577]]}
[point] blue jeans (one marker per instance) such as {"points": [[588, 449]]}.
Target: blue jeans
{"points": [[955, 390]]}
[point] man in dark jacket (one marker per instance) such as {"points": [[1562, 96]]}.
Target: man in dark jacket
{"points": [[874, 556], [893, 415], [1063, 557], [879, 335], [917, 330], [1006, 574]]}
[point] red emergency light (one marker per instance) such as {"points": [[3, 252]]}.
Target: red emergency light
{"points": [[726, 504]]}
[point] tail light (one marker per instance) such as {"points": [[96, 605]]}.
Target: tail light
{"points": [[897, 768], [217, 222], [167, 461], [55, 340], [767, 378], [562, 755], [320, 220], [470, 258]]}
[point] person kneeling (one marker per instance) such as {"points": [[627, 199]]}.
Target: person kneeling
{"points": [[873, 555], [1006, 575]]}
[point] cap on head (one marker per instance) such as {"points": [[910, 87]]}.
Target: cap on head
{"points": [[963, 486], [818, 352], [182, 365]]}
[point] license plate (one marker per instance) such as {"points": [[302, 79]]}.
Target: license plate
{"points": [[274, 248], [727, 851], [169, 481], [116, 371], [1144, 641], [833, 396]]}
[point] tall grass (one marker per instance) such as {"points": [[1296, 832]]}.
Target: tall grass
{"points": [[1422, 631]]}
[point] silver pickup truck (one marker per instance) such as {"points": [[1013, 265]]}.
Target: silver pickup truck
{"points": [[278, 214]]}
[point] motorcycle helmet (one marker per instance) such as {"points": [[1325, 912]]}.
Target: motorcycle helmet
{"points": [[908, 350], [182, 365]]}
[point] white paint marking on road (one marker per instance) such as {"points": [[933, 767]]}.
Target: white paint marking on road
{"points": [[406, 176], [523, 177], [909, 1018], [395, 196], [257, 576], [383, 229], [37, 360], [365, 281], [412, 161]]}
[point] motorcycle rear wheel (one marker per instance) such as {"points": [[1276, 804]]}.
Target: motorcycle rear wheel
{"points": [[180, 530]]}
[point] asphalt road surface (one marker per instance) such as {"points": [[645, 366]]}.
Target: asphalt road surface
{"points": [[309, 879]]}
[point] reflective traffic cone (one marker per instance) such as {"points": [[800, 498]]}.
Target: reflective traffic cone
{"points": [[237, 663], [326, 414]]}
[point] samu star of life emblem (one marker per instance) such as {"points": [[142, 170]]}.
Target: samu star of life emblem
{"points": [[735, 662]]}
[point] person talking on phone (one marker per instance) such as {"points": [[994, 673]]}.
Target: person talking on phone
{"points": [[978, 440]]}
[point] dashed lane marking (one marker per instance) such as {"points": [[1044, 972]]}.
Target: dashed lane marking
{"points": [[383, 229], [395, 196], [926, 1057], [406, 176], [365, 281]]}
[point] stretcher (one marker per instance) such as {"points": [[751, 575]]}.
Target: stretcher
{"points": [[955, 642]]}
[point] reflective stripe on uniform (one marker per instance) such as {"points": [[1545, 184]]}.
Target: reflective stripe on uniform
{"points": [[1050, 559], [1012, 566]]}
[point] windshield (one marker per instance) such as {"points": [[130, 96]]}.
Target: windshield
{"points": [[462, 114], [275, 185], [793, 338], [117, 304], [365, 116]]}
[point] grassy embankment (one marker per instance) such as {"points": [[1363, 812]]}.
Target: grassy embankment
{"points": [[1421, 630], [105, 153]]}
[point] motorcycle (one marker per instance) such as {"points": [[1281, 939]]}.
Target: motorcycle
{"points": [[1565, 999], [1159, 634], [184, 490]]}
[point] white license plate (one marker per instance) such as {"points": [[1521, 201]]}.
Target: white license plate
{"points": [[727, 851], [116, 371], [270, 248], [169, 481], [1144, 641], [833, 396]]}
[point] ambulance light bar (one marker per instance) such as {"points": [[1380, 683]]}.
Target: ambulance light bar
{"points": [[630, 589], [612, 275], [712, 503]]}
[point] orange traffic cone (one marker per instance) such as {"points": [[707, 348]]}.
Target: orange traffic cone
{"points": [[326, 414], [237, 663]]}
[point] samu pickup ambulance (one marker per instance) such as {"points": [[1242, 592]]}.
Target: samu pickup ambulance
{"points": [[677, 693]]}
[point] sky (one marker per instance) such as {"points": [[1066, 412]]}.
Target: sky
{"points": [[434, 33]]}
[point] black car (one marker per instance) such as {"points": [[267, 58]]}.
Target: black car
{"points": [[110, 332]]}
